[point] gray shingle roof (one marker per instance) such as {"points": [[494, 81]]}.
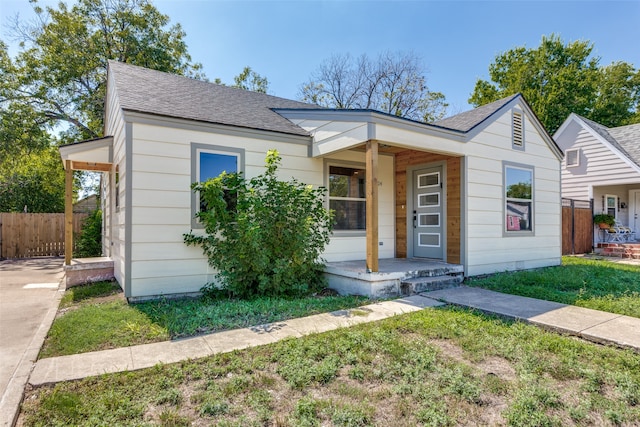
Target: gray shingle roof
{"points": [[626, 139], [466, 121], [629, 138], [155, 92]]}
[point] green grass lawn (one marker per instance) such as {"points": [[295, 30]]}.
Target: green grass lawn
{"points": [[436, 367], [97, 317], [592, 283]]}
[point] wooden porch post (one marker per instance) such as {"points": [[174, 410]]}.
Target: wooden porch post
{"points": [[68, 212], [372, 205]]}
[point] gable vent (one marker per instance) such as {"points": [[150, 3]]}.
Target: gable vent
{"points": [[518, 131]]}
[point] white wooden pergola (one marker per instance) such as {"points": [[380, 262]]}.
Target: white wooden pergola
{"points": [[94, 155]]}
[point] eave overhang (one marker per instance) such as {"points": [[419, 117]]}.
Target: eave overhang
{"points": [[91, 155]]}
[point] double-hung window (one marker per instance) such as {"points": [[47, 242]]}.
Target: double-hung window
{"points": [[209, 161], [347, 197], [518, 208]]}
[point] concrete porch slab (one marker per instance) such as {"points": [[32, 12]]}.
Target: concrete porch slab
{"points": [[352, 277]]}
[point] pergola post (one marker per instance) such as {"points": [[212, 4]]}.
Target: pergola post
{"points": [[372, 205], [68, 212]]}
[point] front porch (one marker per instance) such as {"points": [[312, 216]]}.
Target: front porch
{"points": [[396, 276]]}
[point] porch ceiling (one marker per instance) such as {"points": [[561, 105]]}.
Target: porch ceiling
{"points": [[92, 155]]}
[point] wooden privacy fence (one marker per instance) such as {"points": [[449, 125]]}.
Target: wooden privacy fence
{"points": [[26, 235], [577, 226]]}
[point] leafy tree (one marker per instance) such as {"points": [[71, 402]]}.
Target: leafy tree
{"points": [[558, 79], [61, 69], [250, 80], [394, 83], [263, 236], [56, 84], [35, 182], [247, 80]]}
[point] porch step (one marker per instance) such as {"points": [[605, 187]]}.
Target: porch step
{"points": [[395, 276], [429, 283], [439, 271], [619, 250]]}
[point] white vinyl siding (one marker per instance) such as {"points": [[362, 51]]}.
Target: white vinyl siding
{"points": [[161, 194], [601, 166], [487, 250], [114, 218]]}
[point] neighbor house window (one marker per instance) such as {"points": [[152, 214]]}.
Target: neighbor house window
{"points": [[573, 157], [208, 161], [611, 204], [347, 197], [517, 129], [518, 185]]}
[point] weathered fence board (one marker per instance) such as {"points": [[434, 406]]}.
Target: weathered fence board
{"points": [[577, 227], [26, 235]]}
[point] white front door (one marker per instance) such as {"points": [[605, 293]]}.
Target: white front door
{"points": [[428, 213], [634, 211]]}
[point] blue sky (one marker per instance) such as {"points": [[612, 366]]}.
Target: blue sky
{"points": [[457, 40]]}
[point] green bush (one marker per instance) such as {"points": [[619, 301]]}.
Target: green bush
{"points": [[89, 240], [263, 236]]}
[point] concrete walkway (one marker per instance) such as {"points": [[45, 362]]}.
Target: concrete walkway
{"points": [[589, 324], [78, 366], [29, 299], [593, 325]]}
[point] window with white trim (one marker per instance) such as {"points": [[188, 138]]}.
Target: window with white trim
{"points": [[347, 197], [209, 161], [573, 157], [518, 209]]}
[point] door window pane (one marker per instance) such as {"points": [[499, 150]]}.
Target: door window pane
{"points": [[429, 220], [429, 180], [426, 239], [428, 200]]}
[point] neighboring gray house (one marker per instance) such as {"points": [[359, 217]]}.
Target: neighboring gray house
{"points": [[602, 164], [441, 191]]}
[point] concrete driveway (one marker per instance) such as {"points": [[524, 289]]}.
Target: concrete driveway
{"points": [[29, 299]]}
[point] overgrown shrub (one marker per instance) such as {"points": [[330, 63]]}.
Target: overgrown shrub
{"points": [[89, 240], [263, 236]]}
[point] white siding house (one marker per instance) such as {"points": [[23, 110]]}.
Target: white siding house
{"points": [[602, 164], [480, 189]]}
